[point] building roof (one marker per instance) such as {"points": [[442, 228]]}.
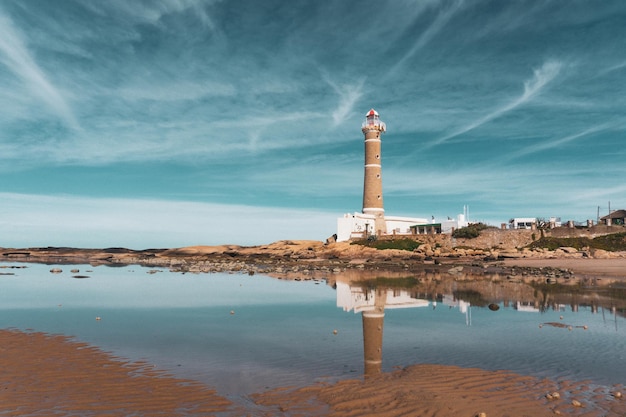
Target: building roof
{"points": [[617, 214]]}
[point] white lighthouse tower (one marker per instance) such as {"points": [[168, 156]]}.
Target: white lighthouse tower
{"points": [[372, 128]]}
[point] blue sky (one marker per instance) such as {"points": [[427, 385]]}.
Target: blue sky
{"points": [[182, 122]]}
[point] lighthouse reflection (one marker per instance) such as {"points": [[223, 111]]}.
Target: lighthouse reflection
{"points": [[372, 296], [371, 302]]}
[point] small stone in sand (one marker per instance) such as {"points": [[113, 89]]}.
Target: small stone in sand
{"points": [[576, 403]]}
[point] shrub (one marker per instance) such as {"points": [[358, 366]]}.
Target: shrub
{"points": [[613, 242], [401, 244], [383, 282], [470, 232]]}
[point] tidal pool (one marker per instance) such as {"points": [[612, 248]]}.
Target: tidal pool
{"points": [[243, 334]]}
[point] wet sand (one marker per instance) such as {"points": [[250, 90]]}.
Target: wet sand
{"points": [[52, 375], [44, 375]]}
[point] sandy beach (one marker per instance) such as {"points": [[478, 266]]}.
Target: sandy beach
{"points": [[53, 375]]}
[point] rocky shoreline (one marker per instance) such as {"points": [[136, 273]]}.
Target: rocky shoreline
{"points": [[315, 259]]}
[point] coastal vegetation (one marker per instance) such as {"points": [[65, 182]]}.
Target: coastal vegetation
{"points": [[612, 242], [384, 282], [471, 231], [551, 290], [400, 244]]}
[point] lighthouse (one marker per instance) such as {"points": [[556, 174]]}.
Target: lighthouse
{"points": [[372, 220], [372, 128]]}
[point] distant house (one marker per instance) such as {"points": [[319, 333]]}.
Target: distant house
{"points": [[616, 217], [532, 223], [523, 223]]}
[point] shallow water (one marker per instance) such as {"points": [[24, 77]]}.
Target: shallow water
{"points": [[243, 334]]}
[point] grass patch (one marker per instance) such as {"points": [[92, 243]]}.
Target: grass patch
{"points": [[613, 242], [401, 244], [611, 292], [382, 282], [470, 232]]}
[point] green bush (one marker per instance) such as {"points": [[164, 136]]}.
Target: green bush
{"points": [[401, 244], [613, 242], [470, 232], [383, 282]]}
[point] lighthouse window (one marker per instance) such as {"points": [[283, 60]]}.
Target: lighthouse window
{"points": [[378, 197], [377, 175], [377, 156]]}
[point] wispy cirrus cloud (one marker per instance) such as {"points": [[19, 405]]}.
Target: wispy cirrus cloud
{"points": [[532, 87], [152, 12], [573, 190], [349, 95], [175, 91], [15, 55], [443, 17], [616, 67], [551, 144]]}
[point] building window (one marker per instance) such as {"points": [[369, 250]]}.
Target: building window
{"points": [[377, 156], [378, 197]]}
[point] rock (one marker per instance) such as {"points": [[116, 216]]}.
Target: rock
{"points": [[510, 254], [455, 270], [56, 270], [601, 254]]}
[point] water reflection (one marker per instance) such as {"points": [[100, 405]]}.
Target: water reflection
{"points": [[371, 302], [372, 296]]}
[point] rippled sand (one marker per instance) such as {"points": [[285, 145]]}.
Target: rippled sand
{"points": [[52, 375], [45, 375]]}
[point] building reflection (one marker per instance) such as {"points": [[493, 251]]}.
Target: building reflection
{"points": [[371, 297], [371, 303]]}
